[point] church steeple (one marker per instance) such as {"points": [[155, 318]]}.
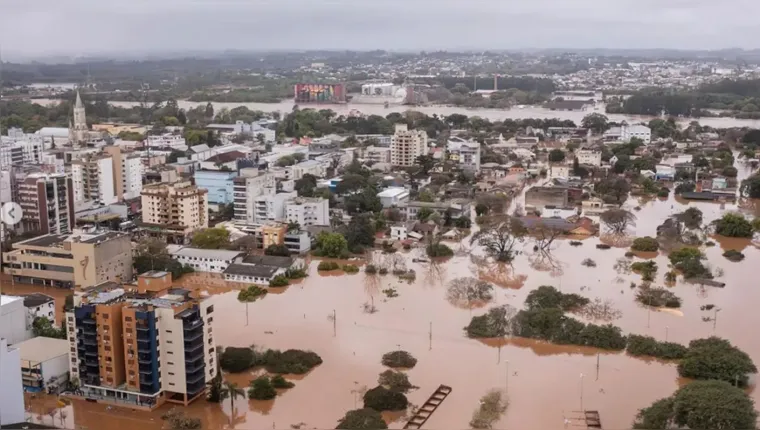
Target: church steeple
{"points": [[78, 133]]}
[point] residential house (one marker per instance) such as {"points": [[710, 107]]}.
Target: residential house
{"points": [[393, 196]]}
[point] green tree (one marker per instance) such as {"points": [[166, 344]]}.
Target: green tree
{"points": [[645, 244], [426, 163], [751, 186], [383, 399], [42, 326], [424, 214], [395, 381], [556, 155], [426, 196], [332, 245], [691, 217], [211, 238], [306, 185], [733, 225], [597, 122], [700, 405], [262, 389], [360, 233], [236, 360], [362, 419], [277, 250], [716, 358]]}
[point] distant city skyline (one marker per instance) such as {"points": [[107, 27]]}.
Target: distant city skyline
{"points": [[43, 28]]}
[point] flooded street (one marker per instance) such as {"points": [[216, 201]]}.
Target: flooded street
{"points": [[545, 383]]}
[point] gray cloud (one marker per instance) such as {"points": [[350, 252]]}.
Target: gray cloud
{"points": [[76, 27]]}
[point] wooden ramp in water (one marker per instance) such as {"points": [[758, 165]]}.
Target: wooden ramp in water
{"points": [[427, 408]]}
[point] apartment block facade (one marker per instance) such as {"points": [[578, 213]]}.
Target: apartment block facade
{"points": [[79, 259], [246, 188], [308, 211], [143, 346], [178, 207], [94, 180], [47, 201], [407, 145]]}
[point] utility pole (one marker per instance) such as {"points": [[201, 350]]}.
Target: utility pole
{"points": [[666, 333], [335, 327], [246, 313], [715, 319], [430, 336], [506, 380], [597, 365], [582, 410]]}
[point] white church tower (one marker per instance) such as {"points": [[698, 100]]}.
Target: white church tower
{"points": [[78, 132]]}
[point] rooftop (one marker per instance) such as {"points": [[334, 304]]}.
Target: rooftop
{"points": [[269, 260], [41, 349], [36, 299], [255, 270], [392, 192], [214, 254], [6, 299]]}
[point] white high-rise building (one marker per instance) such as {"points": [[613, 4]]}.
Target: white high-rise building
{"points": [[407, 145], [589, 157], [308, 211], [271, 207], [247, 188], [93, 180], [132, 172], [12, 392]]}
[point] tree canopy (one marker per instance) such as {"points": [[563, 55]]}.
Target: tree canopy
{"points": [[211, 238], [716, 358], [362, 419], [700, 405]]}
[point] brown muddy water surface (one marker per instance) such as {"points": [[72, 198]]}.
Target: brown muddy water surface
{"points": [[545, 383]]}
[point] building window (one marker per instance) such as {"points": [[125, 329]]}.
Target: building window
{"points": [[168, 331], [127, 318], [171, 374], [210, 309]]}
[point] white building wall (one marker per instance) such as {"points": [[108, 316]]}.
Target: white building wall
{"points": [[76, 180], [171, 335], [71, 336], [13, 319], [271, 207], [209, 344], [55, 368], [591, 158], [106, 181], [132, 171], [12, 392], [311, 212]]}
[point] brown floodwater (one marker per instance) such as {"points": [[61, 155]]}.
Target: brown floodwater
{"points": [[546, 383]]}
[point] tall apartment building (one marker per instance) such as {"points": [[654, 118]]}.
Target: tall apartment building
{"points": [[79, 259], [143, 346], [308, 211], [246, 188], [47, 201], [93, 180], [179, 207], [407, 145], [271, 207], [127, 172]]}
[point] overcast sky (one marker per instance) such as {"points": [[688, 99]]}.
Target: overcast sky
{"points": [[76, 27]]}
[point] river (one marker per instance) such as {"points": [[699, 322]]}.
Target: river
{"points": [[543, 381], [286, 106]]}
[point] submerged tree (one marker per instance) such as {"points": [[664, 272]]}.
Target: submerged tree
{"points": [[700, 405], [497, 322], [468, 291], [492, 407], [362, 419], [500, 237], [618, 220]]}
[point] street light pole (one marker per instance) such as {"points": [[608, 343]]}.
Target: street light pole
{"points": [[506, 380], [666, 333], [582, 392]]}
